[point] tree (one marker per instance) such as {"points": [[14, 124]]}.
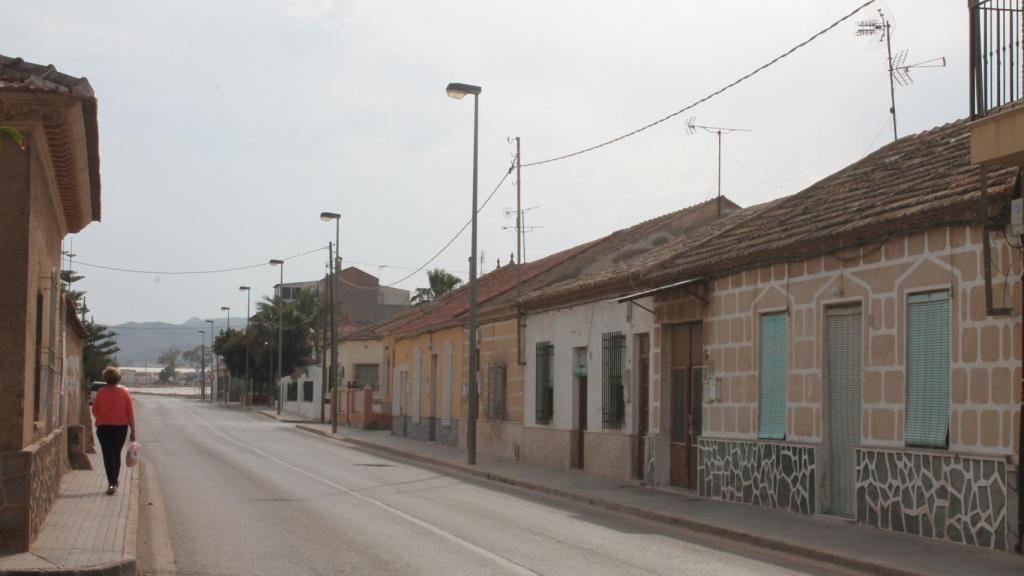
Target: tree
{"points": [[441, 282], [169, 359], [98, 350]]}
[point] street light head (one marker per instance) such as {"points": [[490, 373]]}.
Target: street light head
{"points": [[225, 308], [457, 90], [244, 288], [328, 216], [201, 331], [277, 262]]}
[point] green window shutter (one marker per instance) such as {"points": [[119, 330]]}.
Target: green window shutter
{"points": [[927, 369], [772, 378]]}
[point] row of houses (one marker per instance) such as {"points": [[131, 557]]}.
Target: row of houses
{"points": [[852, 350]]}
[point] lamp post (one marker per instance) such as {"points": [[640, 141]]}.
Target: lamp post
{"points": [[280, 331], [245, 339], [202, 363], [332, 289], [227, 369], [458, 91], [213, 360]]}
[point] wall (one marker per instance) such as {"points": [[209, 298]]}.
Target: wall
{"points": [[498, 345], [575, 327], [426, 409], [985, 357], [309, 410], [352, 352], [29, 485]]}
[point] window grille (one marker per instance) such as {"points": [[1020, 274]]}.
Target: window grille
{"points": [[613, 405], [367, 376], [496, 391], [545, 384]]}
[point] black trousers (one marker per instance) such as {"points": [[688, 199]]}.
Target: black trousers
{"points": [[111, 442]]}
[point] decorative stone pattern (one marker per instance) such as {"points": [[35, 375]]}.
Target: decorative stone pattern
{"points": [[443, 434], [949, 497], [766, 474], [29, 485]]}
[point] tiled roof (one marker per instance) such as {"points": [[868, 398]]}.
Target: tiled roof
{"points": [[448, 310], [913, 183], [17, 75], [611, 265]]}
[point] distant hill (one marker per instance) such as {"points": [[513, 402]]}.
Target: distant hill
{"points": [[142, 343]]}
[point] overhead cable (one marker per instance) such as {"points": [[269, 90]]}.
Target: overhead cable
{"points": [[709, 96], [188, 272]]}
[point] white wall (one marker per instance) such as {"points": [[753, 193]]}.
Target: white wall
{"points": [[310, 410], [352, 352], [582, 326]]}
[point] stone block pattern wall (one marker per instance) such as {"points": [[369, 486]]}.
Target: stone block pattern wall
{"points": [[443, 434], [30, 481], [961, 499], [775, 475]]}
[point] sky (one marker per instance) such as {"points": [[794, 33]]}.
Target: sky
{"points": [[227, 126]]}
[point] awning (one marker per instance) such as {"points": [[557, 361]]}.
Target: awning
{"points": [[685, 285]]}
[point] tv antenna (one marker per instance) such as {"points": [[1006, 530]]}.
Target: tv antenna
{"points": [[691, 129], [899, 71], [521, 228]]}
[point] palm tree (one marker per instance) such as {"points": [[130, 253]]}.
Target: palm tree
{"points": [[441, 282]]}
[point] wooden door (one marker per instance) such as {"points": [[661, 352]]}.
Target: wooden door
{"points": [[582, 419], [644, 366], [686, 357]]}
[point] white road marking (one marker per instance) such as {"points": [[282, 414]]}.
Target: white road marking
{"points": [[497, 559]]}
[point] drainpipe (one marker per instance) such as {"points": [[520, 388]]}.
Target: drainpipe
{"points": [[1020, 458]]}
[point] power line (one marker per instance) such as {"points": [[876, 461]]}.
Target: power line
{"points": [[709, 96], [190, 272], [461, 230]]}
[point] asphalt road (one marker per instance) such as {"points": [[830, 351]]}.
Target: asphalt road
{"points": [[230, 492]]}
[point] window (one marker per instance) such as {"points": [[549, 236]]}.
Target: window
{"points": [[928, 369], [367, 376], [613, 405], [497, 375], [293, 392], [545, 387], [772, 377], [307, 391]]}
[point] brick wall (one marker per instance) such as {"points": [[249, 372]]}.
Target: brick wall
{"points": [[30, 481]]}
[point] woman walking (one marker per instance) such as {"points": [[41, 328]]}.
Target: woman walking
{"points": [[114, 415]]}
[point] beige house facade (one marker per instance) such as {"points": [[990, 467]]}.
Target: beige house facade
{"points": [[861, 357], [51, 188]]}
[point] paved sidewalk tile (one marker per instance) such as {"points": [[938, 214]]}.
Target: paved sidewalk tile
{"points": [[840, 541], [86, 527]]}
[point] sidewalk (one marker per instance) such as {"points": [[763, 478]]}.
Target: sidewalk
{"points": [[288, 417], [834, 541], [86, 532]]}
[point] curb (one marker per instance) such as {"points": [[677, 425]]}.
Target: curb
{"points": [[287, 420], [687, 523]]}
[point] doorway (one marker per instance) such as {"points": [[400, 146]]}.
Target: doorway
{"points": [[686, 359], [643, 346], [432, 399], [843, 341], [579, 372]]}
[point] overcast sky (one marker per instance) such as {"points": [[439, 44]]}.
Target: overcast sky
{"points": [[227, 126]]}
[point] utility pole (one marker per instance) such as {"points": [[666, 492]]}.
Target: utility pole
{"points": [[892, 87], [519, 208]]}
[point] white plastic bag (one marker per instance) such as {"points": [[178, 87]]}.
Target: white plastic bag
{"points": [[132, 458]]}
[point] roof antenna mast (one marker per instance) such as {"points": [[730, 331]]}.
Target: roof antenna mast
{"points": [[899, 72], [691, 129]]}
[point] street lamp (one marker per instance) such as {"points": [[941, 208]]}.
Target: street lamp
{"points": [[227, 369], [457, 91], [333, 373], [202, 363], [280, 330], [245, 339], [213, 358]]}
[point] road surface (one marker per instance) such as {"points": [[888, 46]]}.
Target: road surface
{"points": [[228, 492]]}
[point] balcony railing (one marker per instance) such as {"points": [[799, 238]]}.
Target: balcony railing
{"points": [[996, 54]]}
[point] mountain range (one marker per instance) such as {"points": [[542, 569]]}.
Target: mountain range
{"points": [[142, 343]]}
